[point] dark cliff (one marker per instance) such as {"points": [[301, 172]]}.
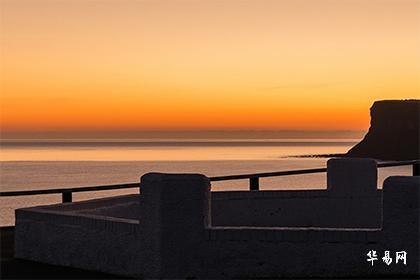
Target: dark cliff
{"points": [[393, 133]]}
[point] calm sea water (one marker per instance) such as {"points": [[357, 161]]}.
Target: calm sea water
{"points": [[28, 165]]}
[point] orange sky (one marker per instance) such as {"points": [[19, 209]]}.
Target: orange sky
{"points": [[133, 65]]}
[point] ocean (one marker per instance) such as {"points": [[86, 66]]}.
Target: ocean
{"points": [[45, 164]]}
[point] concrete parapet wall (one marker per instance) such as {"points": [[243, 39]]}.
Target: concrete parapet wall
{"points": [[250, 258], [308, 252], [289, 234], [296, 209], [94, 204], [176, 238], [48, 235], [351, 200]]}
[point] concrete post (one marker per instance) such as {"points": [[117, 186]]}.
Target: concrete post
{"points": [[67, 197], [416, 169], [401, 198], [352, 176], [176, 212]]}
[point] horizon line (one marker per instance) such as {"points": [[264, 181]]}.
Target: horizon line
{"points": [[182, 134]]}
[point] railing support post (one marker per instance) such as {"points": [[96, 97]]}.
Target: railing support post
{"points": [[254, 184], [67, 197], [416, 169]]}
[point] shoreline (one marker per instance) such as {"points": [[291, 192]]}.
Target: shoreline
{"points": [[339, 155]]}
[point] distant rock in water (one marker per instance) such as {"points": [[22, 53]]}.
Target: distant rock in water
{"points": [[393, 133]]}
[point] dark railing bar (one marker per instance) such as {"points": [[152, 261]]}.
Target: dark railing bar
{"points": [[301, 171], [76, 189], [268, 174], [253, 180], [400, 163]]}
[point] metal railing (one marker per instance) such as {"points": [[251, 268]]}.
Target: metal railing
{"points": [[254, 181]]}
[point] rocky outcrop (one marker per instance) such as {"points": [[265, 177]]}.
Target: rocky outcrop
{"points": [[393, 133]]}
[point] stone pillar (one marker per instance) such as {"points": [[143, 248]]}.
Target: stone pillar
{"points": [[401, 198], [175, 213], [352, 176]]}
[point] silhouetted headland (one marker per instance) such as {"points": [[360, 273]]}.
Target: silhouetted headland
{"points": [[393, 133]]}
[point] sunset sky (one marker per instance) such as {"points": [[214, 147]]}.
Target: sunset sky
{"points": [[85, 65]]}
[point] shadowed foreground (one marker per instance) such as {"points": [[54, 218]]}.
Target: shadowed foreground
{"points": [[18, 269], [12, 268]]}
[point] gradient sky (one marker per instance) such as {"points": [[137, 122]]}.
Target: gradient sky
{"points": [[141, 65]]}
